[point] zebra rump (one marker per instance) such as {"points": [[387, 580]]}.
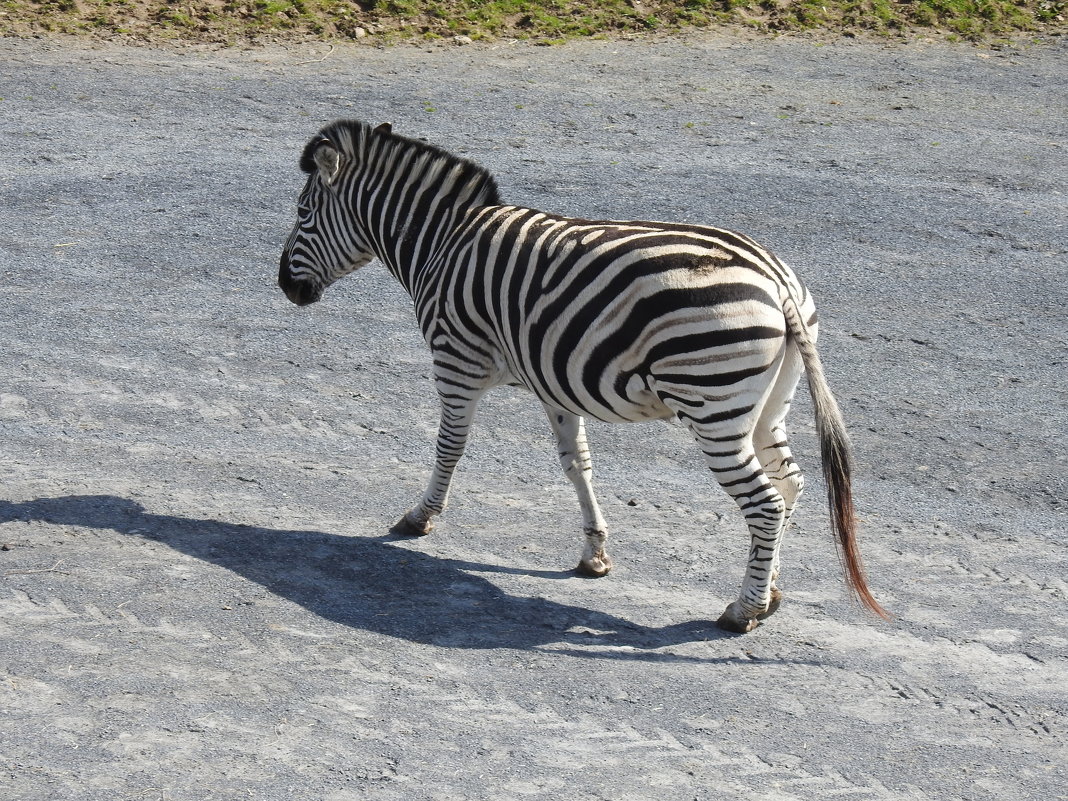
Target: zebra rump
{"points": [[618, 321]]}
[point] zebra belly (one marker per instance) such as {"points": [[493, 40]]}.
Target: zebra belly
{"points": [[639, 403]]}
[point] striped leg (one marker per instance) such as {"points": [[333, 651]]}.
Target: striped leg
{"points": [[741, 435], [570, 431], [773, 451], [733, 460], [456, 417], [727, 442]]}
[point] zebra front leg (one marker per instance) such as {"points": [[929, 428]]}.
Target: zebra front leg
{"points": [[457, 415], [570, 431]]}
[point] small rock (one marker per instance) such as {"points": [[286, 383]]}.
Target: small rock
{"points": [[463, 40], [7, 546]]}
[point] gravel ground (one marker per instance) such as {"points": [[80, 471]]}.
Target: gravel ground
{"points": [[198, 595]]}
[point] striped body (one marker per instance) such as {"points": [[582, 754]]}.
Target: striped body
{"points": [[619, 321], [607, 319]]}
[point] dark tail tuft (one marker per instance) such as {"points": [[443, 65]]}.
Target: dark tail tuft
{"points": [[837, 464]]}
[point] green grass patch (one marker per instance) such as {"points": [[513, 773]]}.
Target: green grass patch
{"points": [[543, 20]]}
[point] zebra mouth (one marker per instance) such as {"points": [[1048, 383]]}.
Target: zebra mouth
{"points": [[299, 292], [303, 293]]}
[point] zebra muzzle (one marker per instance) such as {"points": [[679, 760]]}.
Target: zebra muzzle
{"points": [[299, 291], [303, 293]]}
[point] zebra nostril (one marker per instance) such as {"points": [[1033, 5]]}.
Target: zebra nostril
{"points": [[305, 293], [300, 291]]}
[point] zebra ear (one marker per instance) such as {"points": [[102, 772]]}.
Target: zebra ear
{"points": [[328, 160], [385, 128]]}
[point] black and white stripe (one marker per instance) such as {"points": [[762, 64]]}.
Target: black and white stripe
{"points": [[619, 321]]}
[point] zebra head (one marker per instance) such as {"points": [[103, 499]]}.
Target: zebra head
{"points": [[326, 243]]}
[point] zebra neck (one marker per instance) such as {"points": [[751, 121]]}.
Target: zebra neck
{"points": [[415, 229], [417, 246]]}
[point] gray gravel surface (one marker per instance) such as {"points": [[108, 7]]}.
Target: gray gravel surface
{"points": [[198, 595]]}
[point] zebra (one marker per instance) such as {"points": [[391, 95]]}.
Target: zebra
{"points": [[617, 321]]}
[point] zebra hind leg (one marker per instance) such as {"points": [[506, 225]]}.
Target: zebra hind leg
{"points": [[745, 448], [457, 415], [777, 462], [570, 431], [773, 451], [733, 460]]}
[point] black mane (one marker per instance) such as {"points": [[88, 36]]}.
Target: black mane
{"points": [[354, 138]]}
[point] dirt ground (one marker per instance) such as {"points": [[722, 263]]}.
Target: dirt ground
{"points": [[199, 598]]}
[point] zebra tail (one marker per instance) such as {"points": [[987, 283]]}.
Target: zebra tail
{"points": [[837, 458]]}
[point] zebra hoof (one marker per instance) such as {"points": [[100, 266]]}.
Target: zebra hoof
{"points": [[596, 567], [407, 527], [735, 619]]}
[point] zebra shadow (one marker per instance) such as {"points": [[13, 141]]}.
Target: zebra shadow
{"points": [[368, 583]]}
